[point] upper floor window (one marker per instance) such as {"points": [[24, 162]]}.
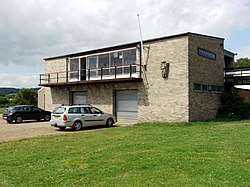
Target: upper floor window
{"points": [[118, 63]]}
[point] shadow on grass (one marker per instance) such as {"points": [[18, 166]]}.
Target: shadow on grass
{"points": [[92, 128]]}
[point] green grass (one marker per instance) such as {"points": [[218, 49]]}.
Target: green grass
{"points": [[150, 154], [2, 109]]}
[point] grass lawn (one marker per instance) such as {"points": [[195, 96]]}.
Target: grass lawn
{"points": [[2, 109], [160, 154]]}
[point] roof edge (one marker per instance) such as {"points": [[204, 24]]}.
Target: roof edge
{"points": [[121, 46]]}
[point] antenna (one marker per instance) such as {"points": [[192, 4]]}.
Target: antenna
{"points": [[142, 47]]}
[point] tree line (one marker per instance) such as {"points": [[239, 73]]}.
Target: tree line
{"points": [[25, 96]]}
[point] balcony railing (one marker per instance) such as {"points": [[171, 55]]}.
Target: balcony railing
{"points": [[88, 75], [237, 75]]}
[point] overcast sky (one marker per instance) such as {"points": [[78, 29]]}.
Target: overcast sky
{"points": [[31, 30]]}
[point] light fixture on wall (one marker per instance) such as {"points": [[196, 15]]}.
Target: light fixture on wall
{"points": [[164, 69]]}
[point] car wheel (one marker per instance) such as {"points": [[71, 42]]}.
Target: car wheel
{"points": [[109, 122], [19, 119], [77, 126], [47, 117]]}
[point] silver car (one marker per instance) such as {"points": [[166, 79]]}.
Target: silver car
{"points": [[78, 116]]}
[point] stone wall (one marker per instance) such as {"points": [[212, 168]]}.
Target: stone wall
{"points": [[166, 98], [204, 105], [56, 68]]}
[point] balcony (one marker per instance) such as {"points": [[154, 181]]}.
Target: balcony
{"points": [[237, 75], [128, 73]]}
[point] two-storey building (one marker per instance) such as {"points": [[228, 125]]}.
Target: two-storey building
{"points": [[180, 78]]}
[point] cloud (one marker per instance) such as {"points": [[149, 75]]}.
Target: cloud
{"points": [[243, 52], [20, 81], [43, 28]]}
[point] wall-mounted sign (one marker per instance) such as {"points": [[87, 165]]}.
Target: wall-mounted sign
{"points": [[207, 54]]}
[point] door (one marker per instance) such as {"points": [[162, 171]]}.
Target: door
{"points": [[127, 106], [79, 98], [83, 69], [92, 116]]}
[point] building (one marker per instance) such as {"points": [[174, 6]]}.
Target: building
{"points": [[180, 78]]}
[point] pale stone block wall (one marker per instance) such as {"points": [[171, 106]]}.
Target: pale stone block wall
{"points": [[166, 99], [55, 66], [204, 105], [41, 98]]}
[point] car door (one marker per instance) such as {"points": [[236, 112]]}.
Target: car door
{"points": [[97, 117], [86, 116], [26, 113], [36, 113]]}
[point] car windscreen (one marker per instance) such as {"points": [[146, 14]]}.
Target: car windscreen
{"points": [[9, 108], [59, 110]]}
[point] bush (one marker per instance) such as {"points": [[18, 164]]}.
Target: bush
{"points": [[26, 96], [233, 106], [3, 100]]}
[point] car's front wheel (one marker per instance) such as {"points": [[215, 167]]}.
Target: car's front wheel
{"points": [[19, 119], [77, 126], [109, 122]]}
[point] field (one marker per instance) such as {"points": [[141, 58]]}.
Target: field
{"points": [[151, 154]]}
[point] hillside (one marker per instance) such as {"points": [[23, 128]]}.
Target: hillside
{"points": [[6, 91]]}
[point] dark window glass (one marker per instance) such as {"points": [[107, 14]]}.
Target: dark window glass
{"points": [[103, 63], [74, 64], [92, 60], [204, 87], [74, 68], [95, 110], [197, 86], [92, 65], [213, 88], [75, 110], [103, 60], [220, 88], [129, 56], [116, 58]]}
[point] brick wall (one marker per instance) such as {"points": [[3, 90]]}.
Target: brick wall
{"points": [[166, 99], [204, 105]]}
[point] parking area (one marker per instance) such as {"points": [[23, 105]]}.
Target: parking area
{"points": [[16, 131]]}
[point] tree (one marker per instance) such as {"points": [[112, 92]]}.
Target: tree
{"points": [[233, 106], [26, 96], [3, 100], [242, 62]]}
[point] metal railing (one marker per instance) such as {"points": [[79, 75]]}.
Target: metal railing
{"points": [[237, 75], [105, 73]]}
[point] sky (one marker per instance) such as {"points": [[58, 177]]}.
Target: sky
{"points": [[31, 30]]}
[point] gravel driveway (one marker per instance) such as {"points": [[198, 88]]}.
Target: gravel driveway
{"points": [[28, 129]]}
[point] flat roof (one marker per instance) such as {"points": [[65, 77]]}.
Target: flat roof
{"points": [[133, 44]]}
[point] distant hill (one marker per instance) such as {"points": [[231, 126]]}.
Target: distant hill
{"points": [[6, 91]]}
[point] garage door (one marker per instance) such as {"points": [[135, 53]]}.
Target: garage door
{"points": [[79, 98], [127, 106]]}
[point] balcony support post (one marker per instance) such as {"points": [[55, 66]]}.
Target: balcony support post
{"points": [[130, 70], [115, 72]]}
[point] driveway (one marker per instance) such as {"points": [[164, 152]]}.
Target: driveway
{"points": [[15, 131]]}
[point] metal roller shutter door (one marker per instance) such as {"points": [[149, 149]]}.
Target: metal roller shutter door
{"points": [[79, 98], [127, 106]]}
